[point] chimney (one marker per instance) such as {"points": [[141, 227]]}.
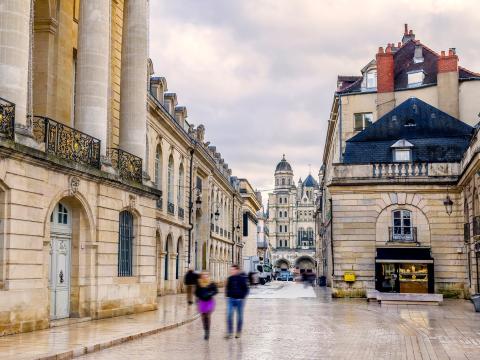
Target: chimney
{"points": [[407, 35], [447, 83], [385, 81]]}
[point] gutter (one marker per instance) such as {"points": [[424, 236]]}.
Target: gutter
{"points": [[233, 228], [331, 237], [190, 208]]}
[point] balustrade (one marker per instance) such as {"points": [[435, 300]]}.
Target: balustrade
{"points": [[399, 170]]}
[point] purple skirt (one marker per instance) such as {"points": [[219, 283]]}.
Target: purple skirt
{"points": [[206, 306]]}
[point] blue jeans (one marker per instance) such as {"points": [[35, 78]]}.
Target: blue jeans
{"points": [[232, 305]]}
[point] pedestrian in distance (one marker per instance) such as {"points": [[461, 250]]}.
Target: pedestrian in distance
{"points": [[205, 293], [190, 280], [236, 292]]}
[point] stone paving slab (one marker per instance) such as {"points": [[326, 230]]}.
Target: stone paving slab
{"points": [[69, 341]]}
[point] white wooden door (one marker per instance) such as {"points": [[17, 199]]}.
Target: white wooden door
{"points": [[60, 262]]}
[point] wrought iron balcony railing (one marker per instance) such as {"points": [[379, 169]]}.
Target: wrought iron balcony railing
{"points": [[402, 234], [160, 204], [476, 225], [181, 213], [66, 142], [7, 119], [171, 208], [129, 166]]}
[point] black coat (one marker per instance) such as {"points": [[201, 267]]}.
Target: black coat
{"points": [[237, 287], [206, 293], [191, 278]]}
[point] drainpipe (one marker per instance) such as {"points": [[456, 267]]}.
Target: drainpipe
{"points": [[340, 155], [190, 208], [331, 236], [233, 228]]}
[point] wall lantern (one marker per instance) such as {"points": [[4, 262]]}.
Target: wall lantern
{"points": [[237, 228], [448, 203], [217, 215]]}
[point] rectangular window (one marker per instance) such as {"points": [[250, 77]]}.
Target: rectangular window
{"points": [[362, 120], [245, 224], [402, 155], [371, 80], [415, 78]]}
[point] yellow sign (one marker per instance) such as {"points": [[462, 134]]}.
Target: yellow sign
{"points": [[349, 276]]}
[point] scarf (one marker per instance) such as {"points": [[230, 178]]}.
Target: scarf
{"points": [[202, 282]]}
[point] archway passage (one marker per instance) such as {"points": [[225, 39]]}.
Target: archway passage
{"points": [[305, 263], [282, 264]]}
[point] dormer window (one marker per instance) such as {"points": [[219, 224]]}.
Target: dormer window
{"points": [[415, 78], [402, 151], [371, 80]]}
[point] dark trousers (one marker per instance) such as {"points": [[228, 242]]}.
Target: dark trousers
{"points": [[190, 291], [232, 306], [206, 321]]}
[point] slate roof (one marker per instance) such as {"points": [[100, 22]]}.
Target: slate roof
{"points": [[310, 181], [283, 165], [403, 58], [435, 135]]}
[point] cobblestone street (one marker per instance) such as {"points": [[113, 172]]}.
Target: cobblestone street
{"points": [[280, 326]]}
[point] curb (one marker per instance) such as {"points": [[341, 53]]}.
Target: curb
{"points": [[88, 349]]}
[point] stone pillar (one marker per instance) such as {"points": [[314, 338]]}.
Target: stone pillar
{"points": [[91, 93], [14, 55], [133, 92]]}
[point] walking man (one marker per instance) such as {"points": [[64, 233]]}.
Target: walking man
{"points": [[236, 292], [190, 280]]}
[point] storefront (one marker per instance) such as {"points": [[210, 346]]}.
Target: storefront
{"points": [[404, 270]]}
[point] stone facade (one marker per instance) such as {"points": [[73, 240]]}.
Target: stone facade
{"points": [[291, 223], [99, 223], [361, 200]]}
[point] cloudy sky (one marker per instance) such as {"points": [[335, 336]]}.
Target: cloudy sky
{"points": [[260, 74]]}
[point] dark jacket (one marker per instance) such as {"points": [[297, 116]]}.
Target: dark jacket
{"points": [[237, 286], [191, 278], [206, 293]]}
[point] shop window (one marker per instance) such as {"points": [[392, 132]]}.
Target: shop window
{"points": [[362, 121], [402, 226]]}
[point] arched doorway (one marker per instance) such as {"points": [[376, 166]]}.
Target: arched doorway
{"points": [[60, 261], [305, 263], [282, 264]]}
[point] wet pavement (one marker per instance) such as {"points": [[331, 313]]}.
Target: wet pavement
{"points": [[88, 336], [284, 321]]}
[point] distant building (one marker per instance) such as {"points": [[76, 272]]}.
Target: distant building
{"points": [[291, 221]]}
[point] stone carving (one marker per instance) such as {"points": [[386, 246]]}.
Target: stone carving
{"points": [[132, 202], [200, 133], [74, 184]]}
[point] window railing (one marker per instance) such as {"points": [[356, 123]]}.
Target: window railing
{"points": [[129, 166], [217, 229], [402, 234], [66, 142], [399, 170], [181, 213], [476, 225], [7, 119], [221, 232], [171, 208]]}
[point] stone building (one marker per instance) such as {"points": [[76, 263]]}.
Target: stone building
{"points": [[291, 221], [398, 176], [108, 194]]}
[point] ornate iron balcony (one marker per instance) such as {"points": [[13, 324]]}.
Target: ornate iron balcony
{"points": [[66, 142], [402, 234], [181, 213], [171, 208], [160, 204], [128, 165], [7, 119]]}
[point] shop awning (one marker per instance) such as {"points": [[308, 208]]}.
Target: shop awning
{"points": [[404, 255]]}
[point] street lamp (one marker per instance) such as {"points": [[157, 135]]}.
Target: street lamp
{"points": [[448, 203]]}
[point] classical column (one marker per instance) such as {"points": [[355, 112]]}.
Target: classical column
{"points": [[133, 92], [91, 93], [14, 55]]}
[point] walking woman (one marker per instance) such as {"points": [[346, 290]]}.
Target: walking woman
{"points": [[205, 292]]}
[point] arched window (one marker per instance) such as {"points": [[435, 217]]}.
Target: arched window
{"points": [[280, 213], [170, 179], [283, 181], [402, 225], [180, 186], [125, 244], [285, 214], [158, 167], [280, 200]]}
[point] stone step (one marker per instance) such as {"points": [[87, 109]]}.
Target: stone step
{"points": [[410, 298]]}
